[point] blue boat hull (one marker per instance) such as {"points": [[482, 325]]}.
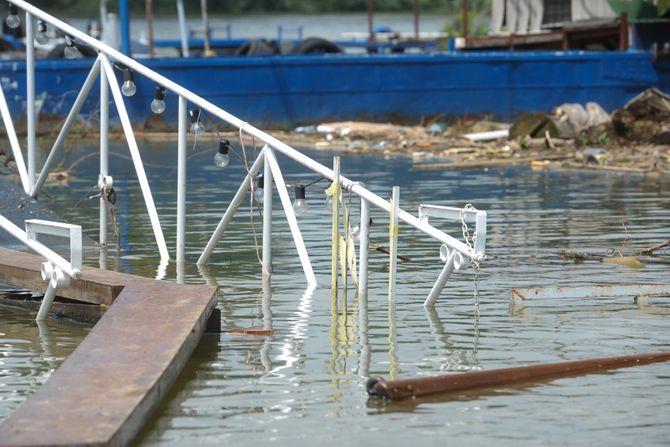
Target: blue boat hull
{"points": [[285, 91]]}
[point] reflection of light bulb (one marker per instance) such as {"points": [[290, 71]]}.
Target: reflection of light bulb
{"points": [[300, 206], [221, 159], [128, 88], [259, 194], [158, 103], [13, 20], [356, 232], [42, 37]]}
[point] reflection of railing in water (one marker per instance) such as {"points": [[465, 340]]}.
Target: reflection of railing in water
{"points": [[103, 69]]}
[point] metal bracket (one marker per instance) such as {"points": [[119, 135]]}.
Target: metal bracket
{"points": [[451, 213], [50, 271]]}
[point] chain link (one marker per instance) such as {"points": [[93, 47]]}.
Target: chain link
{"points": [[474, 262]]}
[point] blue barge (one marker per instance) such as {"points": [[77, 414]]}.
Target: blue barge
{"points": [[286, 90]]}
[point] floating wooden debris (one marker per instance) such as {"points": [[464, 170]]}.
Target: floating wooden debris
{"points": [[425, 386], [520, 296]]}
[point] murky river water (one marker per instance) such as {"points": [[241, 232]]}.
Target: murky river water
{"points": [[305, 383]]}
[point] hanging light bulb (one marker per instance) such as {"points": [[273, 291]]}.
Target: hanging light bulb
{"points": [[70, 52], [221, 159], [328, 203], [356, 230], [158, 103], [300, 204], [128, 88], [196, 126], [259, 194], [13, 20], [42, 37]]}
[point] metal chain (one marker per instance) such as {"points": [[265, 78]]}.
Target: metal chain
{"points": [[474, 262]]}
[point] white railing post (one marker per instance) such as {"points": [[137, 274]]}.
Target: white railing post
{"points": [[104, 154], [453, 261], [30, 98], [137, 159], [364, 237], [181, 180], [232, 208], [335, 227], [290, 217], [393, 241], [71, 118], [14, 141], [267, 218]]}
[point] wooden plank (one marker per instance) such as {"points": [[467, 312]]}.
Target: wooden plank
{"points": [[108, 387]]}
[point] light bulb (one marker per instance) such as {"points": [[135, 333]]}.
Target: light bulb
{"points": [[13, 20], [196, 126], [259, 193], [221, 158], [158, 103], [70, 51], [128, 88], [42, 37], [356, 232], [158, 106], [328, 203], [300, 206]]}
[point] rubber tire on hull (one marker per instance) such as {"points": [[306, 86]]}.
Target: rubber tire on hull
{"points": [[58, 52], [316, 45], [256, 47]]}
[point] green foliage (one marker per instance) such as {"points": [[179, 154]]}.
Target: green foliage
{"points": [[663, 7]]}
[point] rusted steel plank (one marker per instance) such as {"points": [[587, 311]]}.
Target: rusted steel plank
{"points": [[108, 387], [425, 386], [83, 313], [96, 286]]}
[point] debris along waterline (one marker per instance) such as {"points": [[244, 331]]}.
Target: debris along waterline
{"points": [[425, 386]]}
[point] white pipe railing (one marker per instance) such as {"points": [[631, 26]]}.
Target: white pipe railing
{"points": [[107, 56], [214, 110], [40, 249], [30, 97]]}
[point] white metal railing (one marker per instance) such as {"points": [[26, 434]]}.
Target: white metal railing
{"points": [[267, 160], [57, 270]]}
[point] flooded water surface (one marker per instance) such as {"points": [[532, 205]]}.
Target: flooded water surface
{"points": [[305, 383]]}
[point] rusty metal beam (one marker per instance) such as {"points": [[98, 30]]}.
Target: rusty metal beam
{"points": [[425, 386]]}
